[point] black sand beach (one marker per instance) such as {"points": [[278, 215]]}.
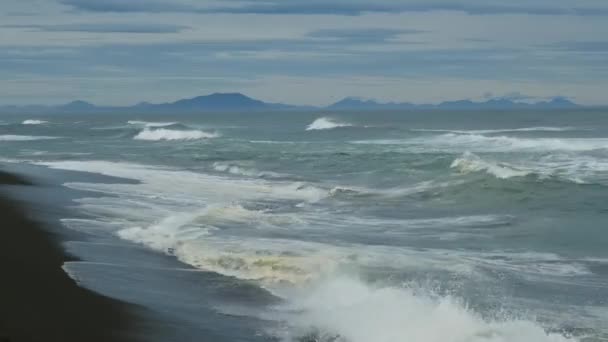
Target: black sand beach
{"points": [[38, 301]]}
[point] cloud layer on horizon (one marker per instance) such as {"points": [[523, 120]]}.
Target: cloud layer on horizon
{"points": [[345, 7], [117, 52]]}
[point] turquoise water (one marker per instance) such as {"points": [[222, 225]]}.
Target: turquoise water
{"points": [[361, 226]]}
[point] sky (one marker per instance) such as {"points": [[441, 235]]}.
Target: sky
{"points": [[307, 52]]}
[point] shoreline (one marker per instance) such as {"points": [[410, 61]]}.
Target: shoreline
{"points": [[38, 300]]}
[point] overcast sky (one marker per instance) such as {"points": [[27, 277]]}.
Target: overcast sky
{"points": [[117, 52]]}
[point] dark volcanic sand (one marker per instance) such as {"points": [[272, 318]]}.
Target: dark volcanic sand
{"points": [[38, 301]]}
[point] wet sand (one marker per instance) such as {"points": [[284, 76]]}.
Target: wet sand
{"points": [[38, 301]]}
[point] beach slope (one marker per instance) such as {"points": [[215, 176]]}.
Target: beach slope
{"points": [[38, 301]]}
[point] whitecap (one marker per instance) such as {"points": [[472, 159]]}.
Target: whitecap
{"points": [[326, 123], [170, 134], [33, 122], [9, 137]]}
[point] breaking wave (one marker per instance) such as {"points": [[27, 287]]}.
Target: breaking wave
{"points": [[170, 134], [33, 122], [326, 123], [345, 309], [577, 169], [470, 162]]}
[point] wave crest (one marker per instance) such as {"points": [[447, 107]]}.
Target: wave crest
{"points": [[170, 134], [10, 137], [503, 130], [151, 124], [326, 123]]}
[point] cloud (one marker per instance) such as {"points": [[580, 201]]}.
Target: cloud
{"points": [[362, 35], [341, 7], [582, 46], [105, 28], [153, 6], [354, 8], [132, 47]]}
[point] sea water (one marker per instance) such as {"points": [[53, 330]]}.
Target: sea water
{"points": [[359, 227]]}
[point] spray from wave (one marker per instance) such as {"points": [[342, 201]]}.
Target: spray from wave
{"points": [[33, 122], [343, 309], [170, 134], [326, 123]]}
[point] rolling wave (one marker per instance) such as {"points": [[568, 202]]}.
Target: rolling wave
{"points": [[470, 162]]}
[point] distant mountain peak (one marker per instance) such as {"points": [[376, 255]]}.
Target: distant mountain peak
{"points": [[234, 101], [355, 103], [218, 101]]}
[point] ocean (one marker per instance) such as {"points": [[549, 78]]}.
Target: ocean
{"points": [[350, 226]]}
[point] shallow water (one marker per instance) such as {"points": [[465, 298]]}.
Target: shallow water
{"points": [[341, 227]]}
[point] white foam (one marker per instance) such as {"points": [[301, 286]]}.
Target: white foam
{"points": [[241, 171], [151, 124], [180, 212], [269, 261], [197, 187], [576, 168], [503, 130], [470, 162], [9, 137], [33, 122], [177, 212], [325, 123], [346, 309], [479, 143], [171, 134]]}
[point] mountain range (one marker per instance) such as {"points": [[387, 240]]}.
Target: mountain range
{"points": [[239, 102]]}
